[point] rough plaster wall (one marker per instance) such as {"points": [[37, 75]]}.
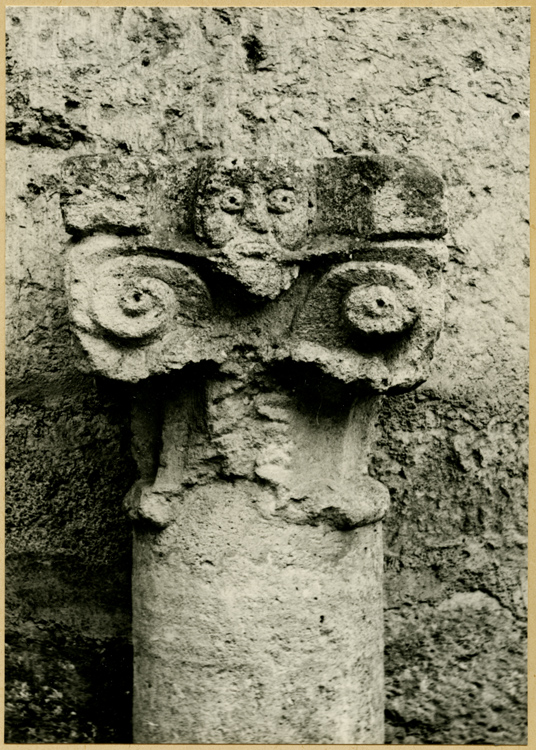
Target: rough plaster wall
{"points": [[448, 85]]}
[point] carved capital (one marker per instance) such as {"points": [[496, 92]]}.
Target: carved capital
{"points": [[296, 284], [337, 263]]}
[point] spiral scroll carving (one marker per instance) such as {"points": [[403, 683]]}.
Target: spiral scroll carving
{"points": [[383, 298], [126, 297], [375, 321], [138, 298]]}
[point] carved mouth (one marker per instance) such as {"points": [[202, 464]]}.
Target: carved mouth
{"points": [[251, 249]]}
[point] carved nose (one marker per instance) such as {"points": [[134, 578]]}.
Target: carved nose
{"points": [[256, 217]]}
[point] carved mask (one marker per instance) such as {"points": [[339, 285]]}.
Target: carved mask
{"points": [[259, 206]]}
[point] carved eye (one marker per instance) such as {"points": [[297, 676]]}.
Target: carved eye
{"points": [[232, 200], [281, 200]]}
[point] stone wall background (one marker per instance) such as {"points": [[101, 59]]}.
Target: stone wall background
{"points": [[448, 85]]}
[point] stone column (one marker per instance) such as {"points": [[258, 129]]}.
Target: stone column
{"points": [[262, 307]]}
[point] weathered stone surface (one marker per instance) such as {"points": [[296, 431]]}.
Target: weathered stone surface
{"points": [[52, 660], [254, 210], [382, 300], [247, 622], [68, 564], [253, 217], [380, 197], [219, 199], [297, 460], [138, 314], [106, 194], [125, 305], [264, 489], [392, 355], [259, 601], [446, 84], [478, 645]]}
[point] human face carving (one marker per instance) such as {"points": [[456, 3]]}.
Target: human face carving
{"points": [[258, 205]]}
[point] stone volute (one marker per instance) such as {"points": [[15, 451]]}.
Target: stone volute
{"points": [[261, 307]]}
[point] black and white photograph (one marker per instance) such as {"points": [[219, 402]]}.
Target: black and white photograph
{"points": [[267, 375]]}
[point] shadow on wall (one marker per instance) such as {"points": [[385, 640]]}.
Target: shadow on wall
{"points": [[68, 666], [62, 687]]}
